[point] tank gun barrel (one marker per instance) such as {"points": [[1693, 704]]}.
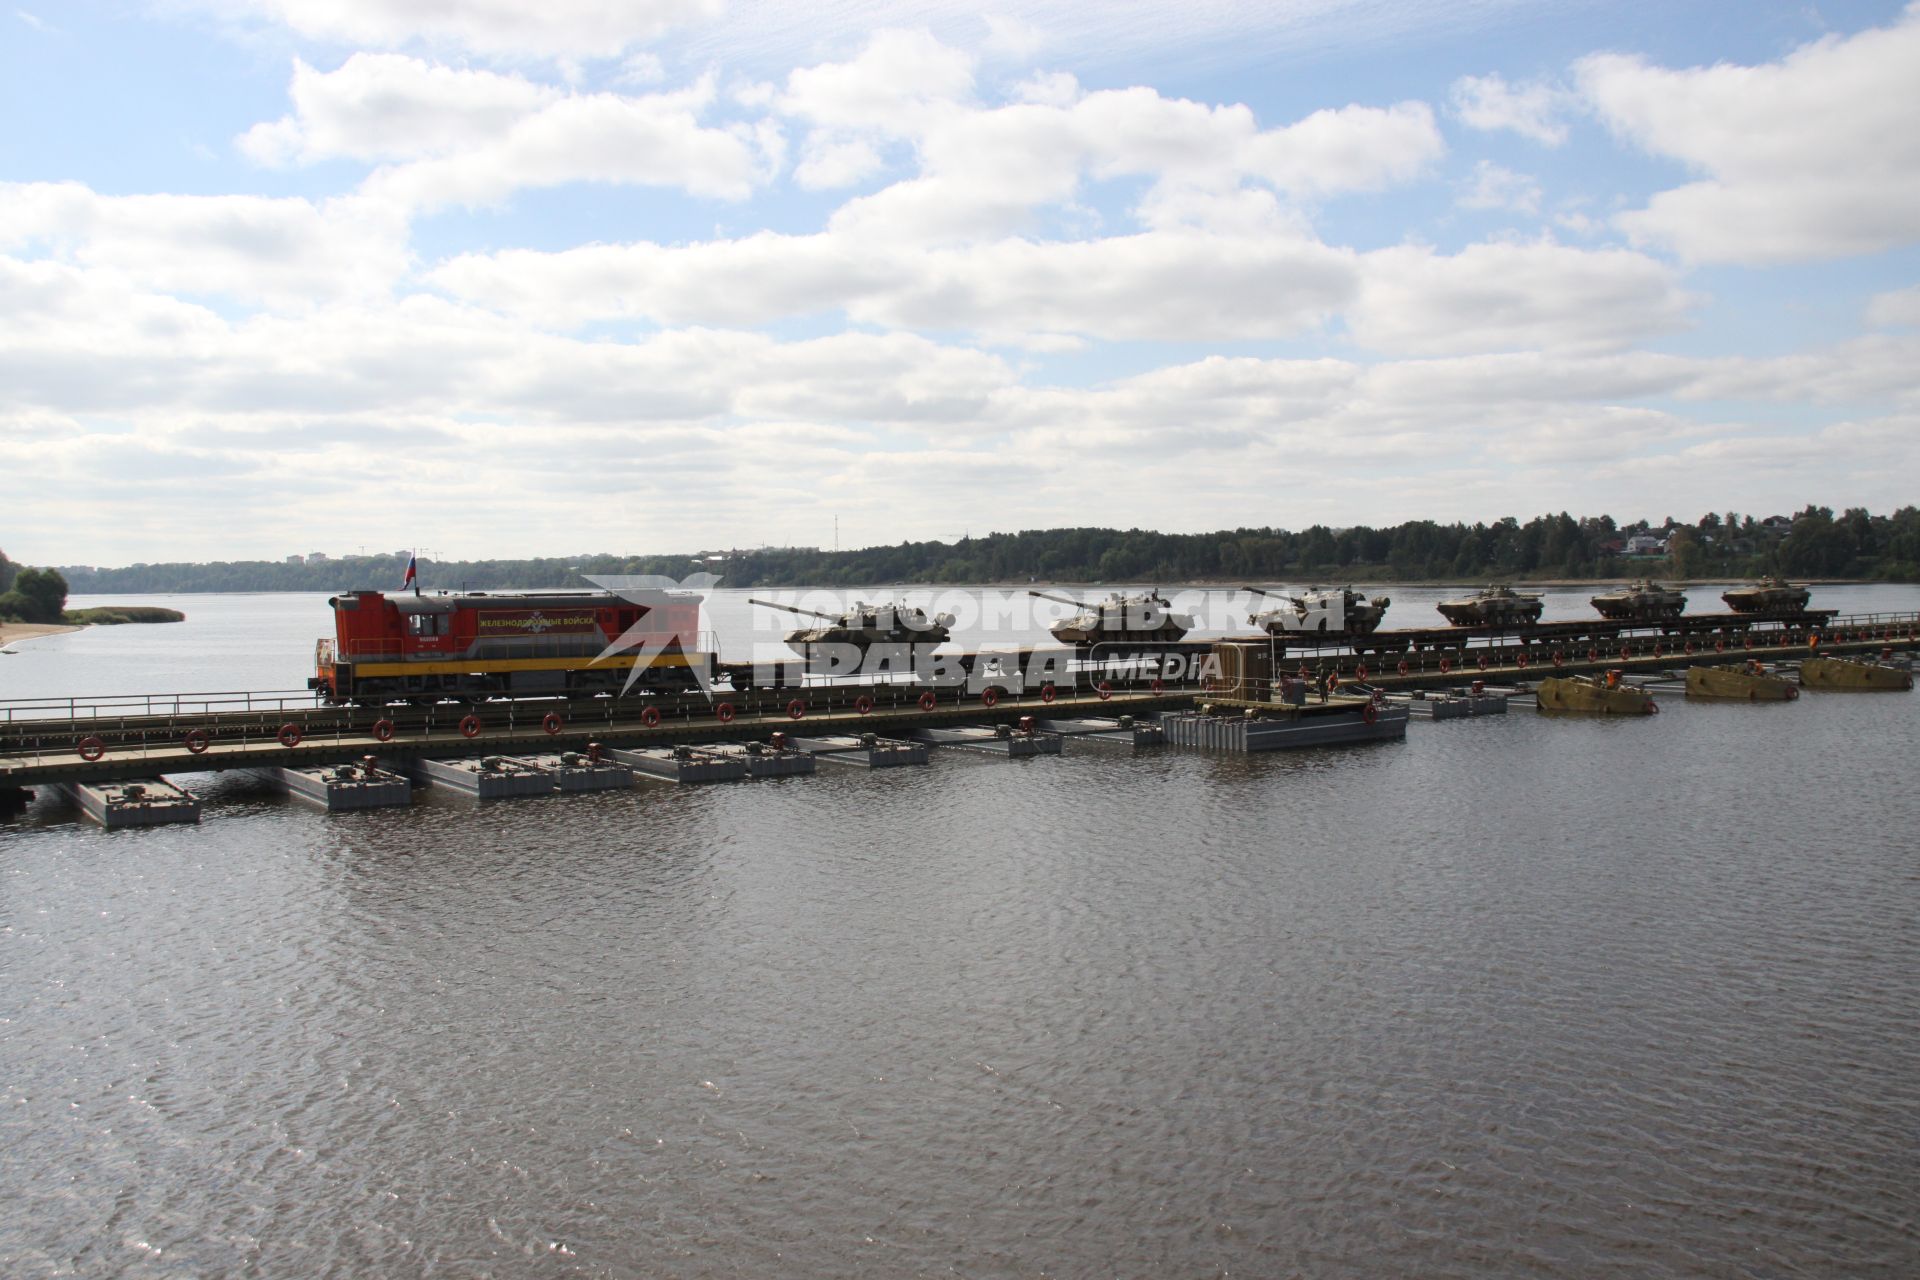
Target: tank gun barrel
{"points": [[1048, 595], [768, 604]]}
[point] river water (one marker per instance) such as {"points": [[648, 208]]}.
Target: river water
{"points": [[1516, 997]]}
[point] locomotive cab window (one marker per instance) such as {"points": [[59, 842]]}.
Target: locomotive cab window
{"points": [[427, 624]]}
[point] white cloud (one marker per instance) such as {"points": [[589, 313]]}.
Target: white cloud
{"points": [[897, 86], [1811, 157], [1021, 219], [1530, 110], [1232, 273], [984, 172], [388, 106], [283, 251], [507, 29], [652, 140], [475, 137], [1013, 37], [1897, 309], [701, 425], [1505, 297], [826, 164], [1174, 285], [1495, 187], [1347, 149]]}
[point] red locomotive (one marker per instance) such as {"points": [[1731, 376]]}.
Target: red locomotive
{"points": [[427, 647]]}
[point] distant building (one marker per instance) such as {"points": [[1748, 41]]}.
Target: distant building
{"points": [[1779, 524], [296, 559], [1645, 544], [316, 557]]}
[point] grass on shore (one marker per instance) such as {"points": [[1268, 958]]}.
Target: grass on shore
{"points": [[115, 615]]}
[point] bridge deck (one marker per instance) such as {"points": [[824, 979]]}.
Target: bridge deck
{"points": [[150, 755]]}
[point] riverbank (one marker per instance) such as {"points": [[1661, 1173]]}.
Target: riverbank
{"points": [[11, 631]]}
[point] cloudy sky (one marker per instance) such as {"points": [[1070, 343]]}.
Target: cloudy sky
{"points": [[498, 279]]}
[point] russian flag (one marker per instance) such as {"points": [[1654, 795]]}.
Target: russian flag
{"points": [[411, 566]]}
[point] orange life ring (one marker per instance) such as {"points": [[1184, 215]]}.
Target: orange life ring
{"points": [[1658, 649], [650, 717], [91, 748], [1559, 658], [927, 700], [1749, 639], [1047, 693], [1626, 651], [1483, 662], [724, 713], [1360, 673], [1402, 668], [552, 722], [1158, 686], [1593, 653], [1104, 689], [197, 740], [1370, 712], [1520, 660], [989, 696], [1445, 666], [383, 730], [1687, 647], [796, 710], [289, 734], [469, 726], [863, 705]]}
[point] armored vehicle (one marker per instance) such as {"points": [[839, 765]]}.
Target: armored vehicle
{"points": [[1147, 618], [1769, 595], [1643, 601], [1496, 606], [1346, 611], [865, 625]]}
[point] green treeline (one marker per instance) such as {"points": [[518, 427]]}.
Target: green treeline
{"points": [[1814, 543], [31, 595]]}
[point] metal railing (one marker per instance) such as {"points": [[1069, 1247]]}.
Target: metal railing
{"points": [[126, 706]]}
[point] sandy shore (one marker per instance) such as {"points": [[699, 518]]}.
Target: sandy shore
{"points": [[11, 631]]}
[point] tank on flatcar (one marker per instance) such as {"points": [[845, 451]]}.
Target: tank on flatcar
{"points": [[1768, 595], [1641, 601], [544, 643]]}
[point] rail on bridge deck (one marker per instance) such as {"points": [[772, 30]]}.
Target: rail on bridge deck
{"points": [[146, 737]]}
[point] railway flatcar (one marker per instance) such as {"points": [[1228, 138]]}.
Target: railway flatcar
{"points": [[424, 647]]}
